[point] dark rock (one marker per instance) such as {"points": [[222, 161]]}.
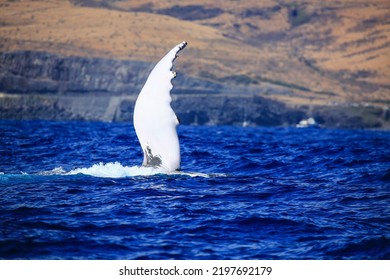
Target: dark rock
{"points": [[54, 87], [349, 116], [39, 72]]}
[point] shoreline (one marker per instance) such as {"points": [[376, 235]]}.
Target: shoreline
{"points": [[193, 109]]}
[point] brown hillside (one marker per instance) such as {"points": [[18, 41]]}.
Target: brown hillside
{"points": [[323, 51]]}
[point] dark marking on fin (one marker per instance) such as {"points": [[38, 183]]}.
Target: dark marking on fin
{"points": [[183, 45], [151, 160]]}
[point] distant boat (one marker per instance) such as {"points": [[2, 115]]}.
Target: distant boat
{"points": [[310, 122]]}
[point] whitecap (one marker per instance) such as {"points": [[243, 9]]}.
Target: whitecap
{"points": [[54, 171], [114, 170], [117, 170]]}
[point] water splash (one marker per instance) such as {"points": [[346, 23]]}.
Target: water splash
{"points": [[117, 170]]}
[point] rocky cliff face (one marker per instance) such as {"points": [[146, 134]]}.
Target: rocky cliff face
{"points": [[39, 72], [50, 86], [39, 85]]}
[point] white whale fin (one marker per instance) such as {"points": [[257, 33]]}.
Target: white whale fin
{"points": [[154, 119]]}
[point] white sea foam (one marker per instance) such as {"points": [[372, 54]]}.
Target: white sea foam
{"points": [[55, 171], [117, 170]]}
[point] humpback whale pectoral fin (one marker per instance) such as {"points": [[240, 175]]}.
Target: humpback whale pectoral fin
{"points": [[154, 119], [151, 160]]}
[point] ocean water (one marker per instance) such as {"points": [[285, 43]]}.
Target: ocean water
{"points": [[73, 190]]}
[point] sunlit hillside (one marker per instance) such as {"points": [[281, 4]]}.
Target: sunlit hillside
{"points": [[323, 51]]}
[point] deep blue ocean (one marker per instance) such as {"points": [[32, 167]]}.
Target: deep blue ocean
{"points": [[72, 190]]}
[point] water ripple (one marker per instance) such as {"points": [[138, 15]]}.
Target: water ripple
{"points": [[253, 193]]}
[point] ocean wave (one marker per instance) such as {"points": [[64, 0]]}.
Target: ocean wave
{"points": [[117, 170], [113, 170], [285, 194]]}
